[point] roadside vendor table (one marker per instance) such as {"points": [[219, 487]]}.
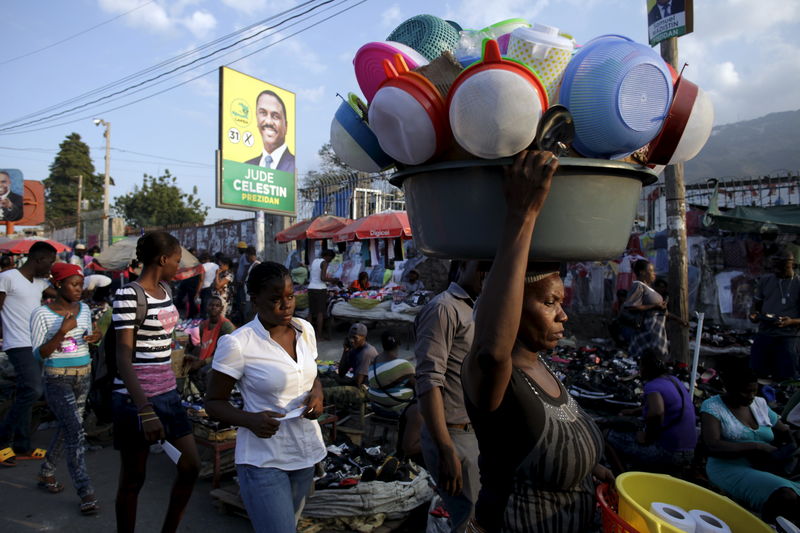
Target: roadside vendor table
{"points": [[217, 447], [380, 313]]}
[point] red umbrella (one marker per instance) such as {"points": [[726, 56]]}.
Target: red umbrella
{"points": [[321, 227], [386, 225], [22, 246]]}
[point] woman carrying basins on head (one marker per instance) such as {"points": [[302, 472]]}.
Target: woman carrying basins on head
{"points": [[272, 360], [538, 449]]}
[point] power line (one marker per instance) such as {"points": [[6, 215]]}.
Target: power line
{"points": [[175, 69], [87, 117], [157, 66], [73, 36]]}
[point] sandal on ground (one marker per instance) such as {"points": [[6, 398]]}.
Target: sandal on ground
{"points": [[38, 453], [90, 507], [50, 484], [8, 457]]}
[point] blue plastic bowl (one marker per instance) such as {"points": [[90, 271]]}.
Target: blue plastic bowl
{"points": [[355, 143], [619, 93]]}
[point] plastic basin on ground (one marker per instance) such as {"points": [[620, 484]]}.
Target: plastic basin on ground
{"points": [[637, 490], [457, 208]]}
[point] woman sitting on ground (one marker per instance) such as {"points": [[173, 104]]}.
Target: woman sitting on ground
{"points": [[741, 433], [60, 335], [670, 426], [538, 449], [391, 379]]}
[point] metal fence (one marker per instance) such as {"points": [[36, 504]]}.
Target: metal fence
{"points": [[349, 196], [766, 191]]}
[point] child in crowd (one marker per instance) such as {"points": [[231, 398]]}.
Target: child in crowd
{"points": [[60, 333]]}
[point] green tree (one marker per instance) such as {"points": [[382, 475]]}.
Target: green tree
{"points": [[330, 168], [61, 187], [160, 202]]}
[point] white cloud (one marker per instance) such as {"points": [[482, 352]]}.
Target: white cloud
{"points": [[162, 17], [391, 17], [720, 21], [313, 95], [200, 23], [726, 74], [152, 16]]}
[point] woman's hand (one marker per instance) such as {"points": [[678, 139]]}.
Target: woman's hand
{"points": [[69, 323], [528, 181], [264, 424], [764, 447], [601, 474], [313, 405], [151, 426], [313, 401], [93, 337]]}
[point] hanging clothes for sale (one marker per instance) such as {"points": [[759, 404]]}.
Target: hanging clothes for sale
{"points": [[734, 253], [724, 282], [714, 257]]}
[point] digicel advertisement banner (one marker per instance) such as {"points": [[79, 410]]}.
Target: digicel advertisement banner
{"points": [[256, 165]]}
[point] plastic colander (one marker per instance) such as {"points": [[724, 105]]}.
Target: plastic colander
{"points": [[352, 139], [619, 93], [408, 115], [495, 105], [427, 34], [369, 59]]}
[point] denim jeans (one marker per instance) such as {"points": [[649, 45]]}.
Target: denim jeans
{"points": [[16, 428], [274, 498], [66, 397]]}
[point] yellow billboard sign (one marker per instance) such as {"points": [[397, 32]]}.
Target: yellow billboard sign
{"points": [[256, 168]]}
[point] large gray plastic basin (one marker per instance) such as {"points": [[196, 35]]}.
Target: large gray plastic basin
{"points": [[457, 209]]}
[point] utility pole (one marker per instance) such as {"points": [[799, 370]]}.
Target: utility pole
{"points": [[105, 235], [78, 224], [678, 277]]}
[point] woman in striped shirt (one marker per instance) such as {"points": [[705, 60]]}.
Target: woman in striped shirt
{"points": [[147, 406], [59, 336]]}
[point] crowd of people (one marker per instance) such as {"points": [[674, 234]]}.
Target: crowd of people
{"points": [[509, 448]]}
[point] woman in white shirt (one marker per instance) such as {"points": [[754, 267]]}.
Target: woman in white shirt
{"points": [[273, 361]]}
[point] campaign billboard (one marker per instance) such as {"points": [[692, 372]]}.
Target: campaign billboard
{"points": [[11, 194], [669, 18], [256, 161]]}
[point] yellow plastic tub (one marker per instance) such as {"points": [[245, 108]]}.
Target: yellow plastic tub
{"points": [[637, 490]]}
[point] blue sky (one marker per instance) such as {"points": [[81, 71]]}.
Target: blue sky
{"points": [[743, 53]]}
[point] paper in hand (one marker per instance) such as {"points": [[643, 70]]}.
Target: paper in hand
{"points": [[171, 451], [294, 413]]}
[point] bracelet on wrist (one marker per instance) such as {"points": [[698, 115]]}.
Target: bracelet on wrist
{"points": [[147, 413]]}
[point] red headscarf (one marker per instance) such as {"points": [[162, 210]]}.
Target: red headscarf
{"points": [[61, 271]]}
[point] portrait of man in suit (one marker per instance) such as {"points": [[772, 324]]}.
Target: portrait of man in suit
{"points": [[664, 8], [271, 120], [10, 202]]}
